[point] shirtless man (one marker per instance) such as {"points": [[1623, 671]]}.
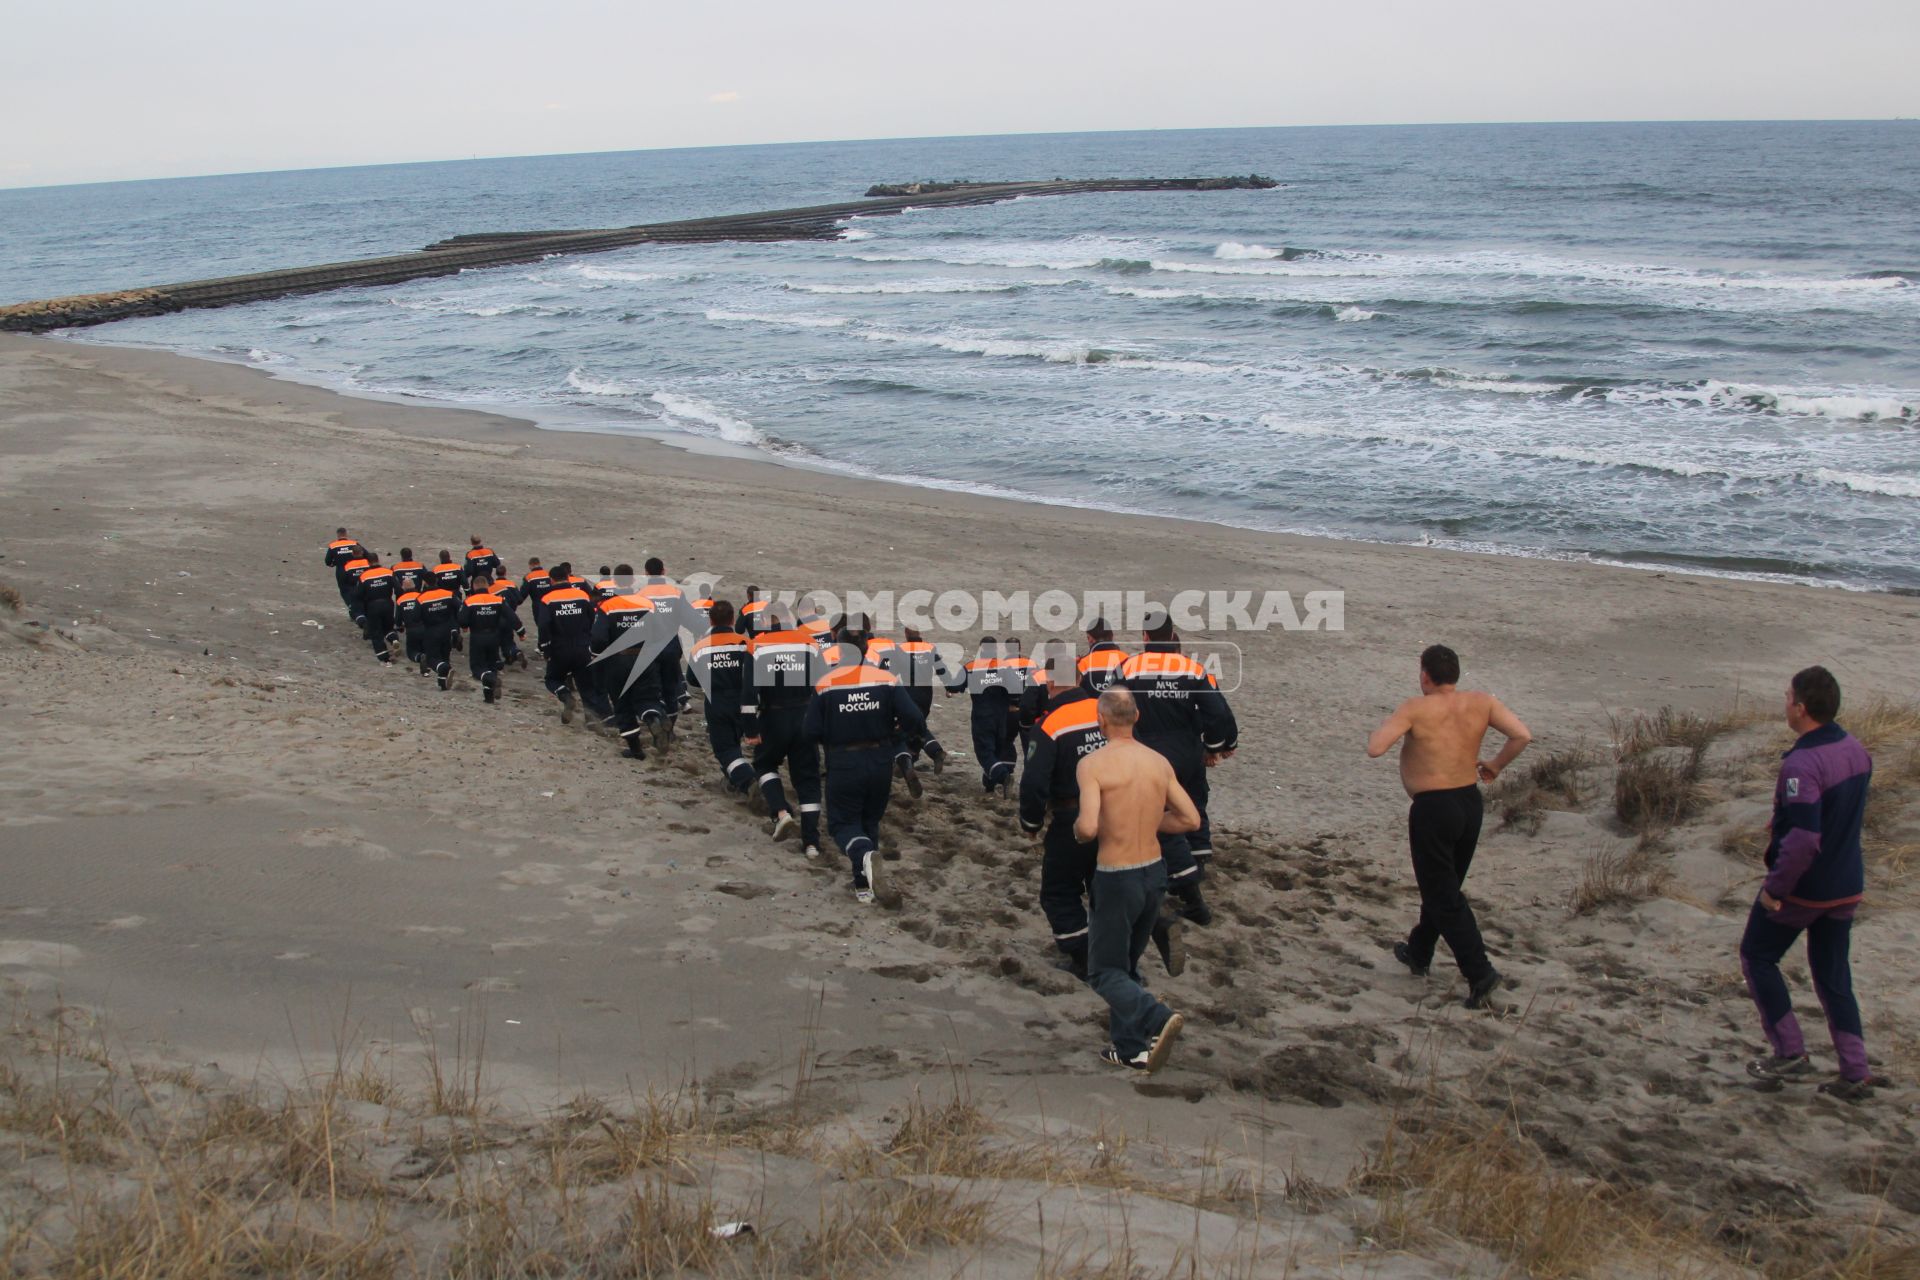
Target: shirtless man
{"points": [[1129, 798], [1440, 767]]}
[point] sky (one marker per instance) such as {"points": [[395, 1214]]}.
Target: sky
{"points": [[100, 90]]}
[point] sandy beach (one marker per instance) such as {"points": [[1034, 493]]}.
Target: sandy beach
{"points": [[235, 845]]}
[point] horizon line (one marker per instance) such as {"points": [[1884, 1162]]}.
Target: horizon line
{"points": [[942, 137]]}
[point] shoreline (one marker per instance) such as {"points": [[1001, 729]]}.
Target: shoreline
{"points": [[691, 442]]}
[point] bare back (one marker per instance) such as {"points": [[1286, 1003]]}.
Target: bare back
{"points": [[1136, 786], [1444, 732]]}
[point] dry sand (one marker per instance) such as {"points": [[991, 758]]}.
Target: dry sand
{"points": [[228, 833]]}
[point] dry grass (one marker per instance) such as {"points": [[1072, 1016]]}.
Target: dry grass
{"points": [[1480, 1181], [10, 598], [1555, 781], [1639, 733], [1658, 790], [1621, 877]]}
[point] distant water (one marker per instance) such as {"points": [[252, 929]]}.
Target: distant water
{"points": [[1694, 345]]}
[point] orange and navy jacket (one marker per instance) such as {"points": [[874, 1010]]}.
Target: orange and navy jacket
{"points": [[534, 583], [750, 621], [1099, 664], [406, 610], [782, 669], [477, 561], [350, 572], [377, 585], [718, 667], [439, 610], [990, 680], [1183, 714], [860, 707], [341, 550], [1069, 732], [917, 663], [553, 584], [447, 576], [411, 569], [617, 615], [820, 629], [605, 589], [483, 612], [674, 609], [570, 617]]}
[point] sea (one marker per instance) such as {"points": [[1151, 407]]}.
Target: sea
{"points": [[1687, 347]]}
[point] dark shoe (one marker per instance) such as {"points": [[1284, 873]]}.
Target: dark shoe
{"points": [[523, 660], [1075, 963], [1845, 1090], [660, 731], [939, 757], [912, 775], [1138, 1062], [1781, 1069], [486, 691], [443, 682], [566, 706], [1172, 948], [634, 751], [1480, 993], [1404, 954]]}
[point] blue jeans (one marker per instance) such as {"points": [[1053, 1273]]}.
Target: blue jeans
{"points": [[1125, 906]]}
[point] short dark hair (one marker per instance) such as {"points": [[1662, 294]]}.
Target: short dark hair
{"points": [[406, 553], [446, 556], [1159, 626], [606, 571], [1818, 692], [1099, 630], [623, 570], [563, 569], [910, 634], [1441, 664], [341, 532], [1010, 640], [720, 615], [655, 565]]}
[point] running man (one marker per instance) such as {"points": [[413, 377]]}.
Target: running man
{"points": [[1441, 769], [1129, 798], [1815, 881]]}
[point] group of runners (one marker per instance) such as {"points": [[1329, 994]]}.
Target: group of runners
{"points": [[1109, 749]]}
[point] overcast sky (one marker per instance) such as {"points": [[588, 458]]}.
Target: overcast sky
{"points": [[104, 89]]}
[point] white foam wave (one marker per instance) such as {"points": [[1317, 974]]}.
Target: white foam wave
{"points": [[1233, 251], [1353, 315], [262, 355], [588, 272], [1860, 482], [926, 286], [856, 233], [580, 380], [1479, 443], [1061, 351], [707, 418], [761, 317], [1714, 394]]}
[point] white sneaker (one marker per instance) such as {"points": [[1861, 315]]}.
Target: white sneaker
{"points": [[863, 882], [813, 853], [784, 825]]}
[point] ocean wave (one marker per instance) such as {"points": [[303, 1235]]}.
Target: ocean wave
{"points": [[797, 322], [1351, 315], [1233, 251], [1479, 443], [926, 286], [587, 271], [1903, 277], [580, 380], [442, 307], [1859, 482], [855, 233], [1063, 351], [706, 418], [1705, 393], [1124, 266]]}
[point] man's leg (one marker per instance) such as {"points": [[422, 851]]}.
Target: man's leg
{"points": [[1829, 940], [766, 765], [846, 803], [1118, 915], [723, 735], [1761, 948], [1066, 865], [1200, 840], [878, 795], [803, 766], [1436, 822], [439, 657], [588, 680], [483, 661], [986, 743]]}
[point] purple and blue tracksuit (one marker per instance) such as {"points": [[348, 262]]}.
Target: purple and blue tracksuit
{"points": [[1815, 871]]}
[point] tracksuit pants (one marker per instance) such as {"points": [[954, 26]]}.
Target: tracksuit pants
{"points": [[724, 727], [436, 653], [634, 701], [1066, 881], [993, 741], [1125, 906], [859, 784], [1770, 935], [914, 743], [483, 658], [1443, 829], [379, 626], [576, 666], [781, 743]]}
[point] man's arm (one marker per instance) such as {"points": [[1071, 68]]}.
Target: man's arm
{"points": [[1036, 785], [1391, 730], [1180, 815], [1086, 827], [1517, 739]]}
